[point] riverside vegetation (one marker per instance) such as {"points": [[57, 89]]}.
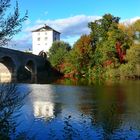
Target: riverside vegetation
{"points": [[110, 51]]}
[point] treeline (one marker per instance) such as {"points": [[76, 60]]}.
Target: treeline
{"points": [[110, 51]]}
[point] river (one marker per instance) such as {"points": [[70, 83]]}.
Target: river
{"points": [[61, 112]]}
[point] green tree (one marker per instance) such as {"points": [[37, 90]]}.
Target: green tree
{"points": [[58, 52], [10, 24], [99, 28]]}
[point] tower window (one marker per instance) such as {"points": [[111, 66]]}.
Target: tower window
{"points": [[38, 38]]}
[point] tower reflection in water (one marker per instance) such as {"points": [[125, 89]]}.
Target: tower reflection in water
{"points": [[43, 102], [43, 109]]}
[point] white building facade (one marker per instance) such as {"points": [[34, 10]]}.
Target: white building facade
{"points": [[43, 38]]}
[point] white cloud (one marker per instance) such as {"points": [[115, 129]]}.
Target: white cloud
{"points": [[21, 44], [130, 21], [69, 27]]}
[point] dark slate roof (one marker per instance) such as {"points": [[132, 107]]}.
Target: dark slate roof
{"points": [[46, 28]]}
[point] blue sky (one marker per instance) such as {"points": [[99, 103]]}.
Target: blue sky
{"points": [[70, 17]]}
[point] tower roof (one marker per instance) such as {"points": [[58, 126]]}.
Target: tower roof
{"points": [[45, 28]]}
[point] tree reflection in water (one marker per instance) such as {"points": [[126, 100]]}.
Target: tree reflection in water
{"points": [[11, 100]]}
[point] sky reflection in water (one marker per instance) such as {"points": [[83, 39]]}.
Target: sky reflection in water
{"points": [[71, 113]]}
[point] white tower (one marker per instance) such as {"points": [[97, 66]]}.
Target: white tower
{"points": [[43, 38]]}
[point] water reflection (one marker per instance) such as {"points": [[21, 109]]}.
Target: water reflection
{"points": [[42, 102], [43, 109], [71, 113], [11, 101]]}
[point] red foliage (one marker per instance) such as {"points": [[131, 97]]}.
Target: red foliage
{"points": [[120, 52]]}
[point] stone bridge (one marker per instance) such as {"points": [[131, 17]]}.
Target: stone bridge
{"points": [[19, 66]]}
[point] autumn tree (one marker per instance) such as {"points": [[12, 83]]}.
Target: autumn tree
{"points": [[10, 24], [109, 51], [136, 30], [131, 68], [81, 54], [127, 29]]}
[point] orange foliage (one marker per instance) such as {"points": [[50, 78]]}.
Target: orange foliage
{"points": [[107, 63], [83, 45]]}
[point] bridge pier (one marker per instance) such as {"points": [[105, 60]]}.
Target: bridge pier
{"points": [[33, 78], [14, 76]]}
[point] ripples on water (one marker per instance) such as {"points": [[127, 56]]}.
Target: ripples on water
{"points": [[56, 112]]}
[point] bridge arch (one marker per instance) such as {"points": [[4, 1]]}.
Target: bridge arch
{"points": [[31, 68], [7, 69]]}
